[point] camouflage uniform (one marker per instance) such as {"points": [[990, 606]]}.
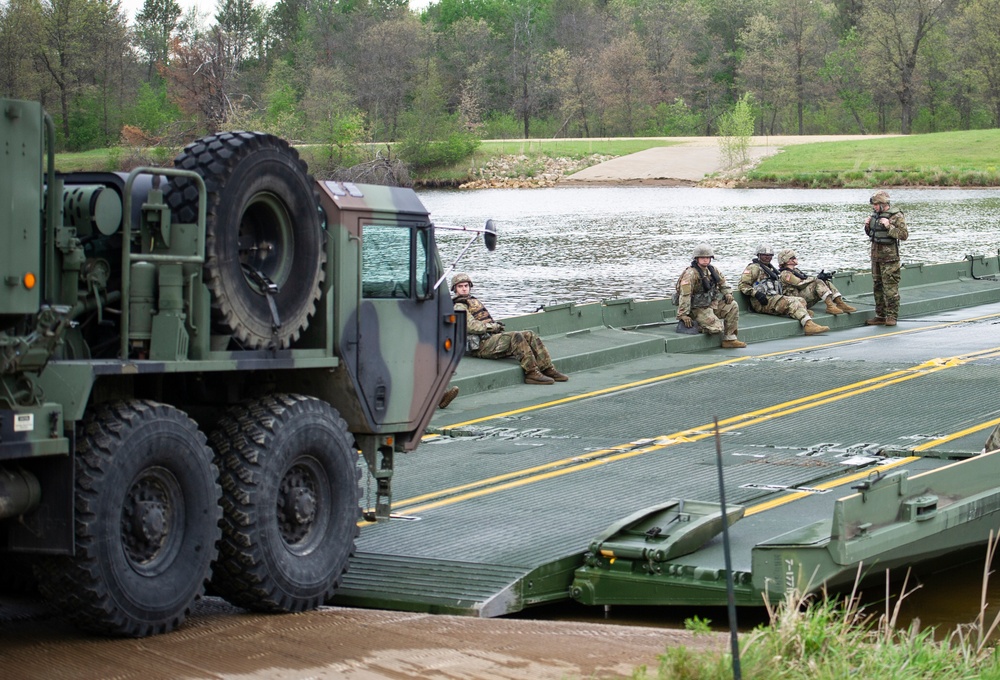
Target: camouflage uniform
{"points": [[812, 289], [756, 277], [885, 240], [705, 297], [486, 339], [993, 441], [762, 280]]}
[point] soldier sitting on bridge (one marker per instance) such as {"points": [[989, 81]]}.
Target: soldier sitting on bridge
{"points": [[487, 339], [812, 289], [761, 284]]}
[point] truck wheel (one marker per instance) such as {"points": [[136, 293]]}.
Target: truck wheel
{"points": [[289, 477], [263, 226], [147, 522]]}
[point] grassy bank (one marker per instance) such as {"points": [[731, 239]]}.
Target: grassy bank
{"points": [[528, 158], [830, 640], [969, 159]]}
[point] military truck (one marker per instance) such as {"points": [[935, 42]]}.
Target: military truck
{"points": [[192, 360]]}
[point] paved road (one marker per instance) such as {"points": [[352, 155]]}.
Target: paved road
{"points": [[688, 162]]}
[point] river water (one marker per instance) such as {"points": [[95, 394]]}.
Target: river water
{"points": [[578, 244], [584, 244]]}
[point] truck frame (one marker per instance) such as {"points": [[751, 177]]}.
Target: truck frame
{"points": [[197, 365]]}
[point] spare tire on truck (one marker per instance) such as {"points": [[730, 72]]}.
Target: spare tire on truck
{"points": [[264, 236]]}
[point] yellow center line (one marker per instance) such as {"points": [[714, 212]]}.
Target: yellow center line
{"points": [[586, 461], [726, 425], [698, 369]]}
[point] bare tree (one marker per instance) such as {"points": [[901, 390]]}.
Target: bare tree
{"points": [[808, 38], [894, 31], [764, 71], [624, 82], [385, 72], [976, 39]]}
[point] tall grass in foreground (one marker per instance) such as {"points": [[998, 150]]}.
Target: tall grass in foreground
{"points": [[830, 639]]}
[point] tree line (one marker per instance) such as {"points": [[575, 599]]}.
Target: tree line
{"points": [[337, 72]]}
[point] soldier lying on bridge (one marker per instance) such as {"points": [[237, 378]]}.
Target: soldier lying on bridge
{"points": [[487, 339]]}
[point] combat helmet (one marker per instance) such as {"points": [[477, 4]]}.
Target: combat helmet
{"points": [[785, 255], [879, 197], [460, 278], [703, 250], [764, 249]]}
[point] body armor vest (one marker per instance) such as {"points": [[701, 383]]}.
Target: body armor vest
{"points": [[772, 284], [709, 286], [476, 309], [878, 232]]}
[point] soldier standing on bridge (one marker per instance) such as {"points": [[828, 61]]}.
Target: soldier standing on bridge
{"points": [[704, 297], [885, 228], [761, 284], [812, 289], [486, 338]]}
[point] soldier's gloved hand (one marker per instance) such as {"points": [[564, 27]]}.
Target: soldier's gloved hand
{"points": [[823, 276], [494, 327], [728, 297], [884, 221], [760, 297], [686, 320]]}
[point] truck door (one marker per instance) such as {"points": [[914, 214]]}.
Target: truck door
{"points": [[400, 321]]}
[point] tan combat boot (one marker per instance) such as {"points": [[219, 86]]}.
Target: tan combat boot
{"points": [[535, 377], [875, 321], [448, 397], [842, 303], [813, 328], [733, 344], [831, 308], [555, 375], [890, 321]]}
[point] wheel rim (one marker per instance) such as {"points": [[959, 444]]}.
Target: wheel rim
{"points": [[152, 521], [303, 504], [266, 240]]}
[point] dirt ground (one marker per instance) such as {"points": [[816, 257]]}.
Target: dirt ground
{"points": [[218, 641]]}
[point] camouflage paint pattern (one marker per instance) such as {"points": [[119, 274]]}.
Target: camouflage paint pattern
{"points": [[380, 347]]}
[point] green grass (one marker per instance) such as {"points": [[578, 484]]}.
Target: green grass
{"points": [[829, 639], [968, 158], [534, 151], [95, 160]]}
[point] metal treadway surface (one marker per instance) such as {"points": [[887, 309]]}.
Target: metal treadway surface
{"points": [[498, 507]]}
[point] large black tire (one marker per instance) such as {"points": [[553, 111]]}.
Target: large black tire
{"points": [[147, 522], [290, 499], [263, 215]]}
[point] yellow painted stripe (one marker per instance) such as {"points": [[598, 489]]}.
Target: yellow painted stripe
{"points": [[706, 367], [585, 461]]}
